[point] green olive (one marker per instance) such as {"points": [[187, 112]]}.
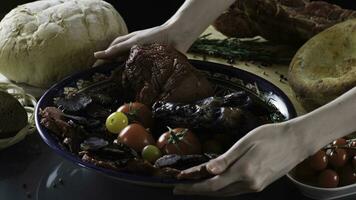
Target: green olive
{"points": [[151, 153], [116, 122]]}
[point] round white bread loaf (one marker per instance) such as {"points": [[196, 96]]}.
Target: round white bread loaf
{"points": [[43, 41]]}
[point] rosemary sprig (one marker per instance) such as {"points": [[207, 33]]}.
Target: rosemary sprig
{"points": [[234, 49]]}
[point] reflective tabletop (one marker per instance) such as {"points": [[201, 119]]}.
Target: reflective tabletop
{"points": [[30, 170]]}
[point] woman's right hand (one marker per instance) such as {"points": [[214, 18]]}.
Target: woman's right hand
{"points": [[165, 33]]}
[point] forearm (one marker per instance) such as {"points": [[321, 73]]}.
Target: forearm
{"points": [[327, 123], [194, 16]]}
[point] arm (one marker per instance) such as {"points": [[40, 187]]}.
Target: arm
{"points": [[271, 151], [332, 121], [181, 30]]}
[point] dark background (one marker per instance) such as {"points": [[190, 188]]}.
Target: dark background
{"points": [[145, 14], [140, 14]]}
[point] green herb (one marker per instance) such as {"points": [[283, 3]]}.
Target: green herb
{"points": [[265, 101], [234, 49]]}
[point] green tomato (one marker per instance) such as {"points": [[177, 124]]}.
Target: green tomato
{"points": [[151, 153], [116, 122]]}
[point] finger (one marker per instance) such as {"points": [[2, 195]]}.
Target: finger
{"points": [[194, 173], [119, 59], [192, 169], [122, 38], [99, 54], [221, 163], [213, 184], [240, 171], [116, 50]]}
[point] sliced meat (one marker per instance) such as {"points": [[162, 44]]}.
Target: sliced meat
{"points": [[235, 23]]}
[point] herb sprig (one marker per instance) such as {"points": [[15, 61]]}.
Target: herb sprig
{"points": [[234, 49]]}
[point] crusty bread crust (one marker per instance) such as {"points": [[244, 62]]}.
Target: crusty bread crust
{"points": [[43, 41], [325, 67]]}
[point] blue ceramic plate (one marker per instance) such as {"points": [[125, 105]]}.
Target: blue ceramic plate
{"points": [[226, 78]]}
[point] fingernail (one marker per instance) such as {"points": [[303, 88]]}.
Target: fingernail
{"points": [[108, 50]]}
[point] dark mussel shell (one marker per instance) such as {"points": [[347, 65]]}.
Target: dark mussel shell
{"points": [[93, 143], [73, 103], [114, 152]]}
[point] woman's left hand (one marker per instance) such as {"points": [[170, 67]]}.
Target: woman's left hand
{"points": [[271, 151], [262, 156]]}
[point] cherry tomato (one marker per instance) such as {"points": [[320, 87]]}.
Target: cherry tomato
{"points": [[212, 146], [151, 153], [339, 142], [116, 122], [328, 179], [136, 137], [338, 158], [352, 151], [179, 141], [318, 161], [138, 113]]}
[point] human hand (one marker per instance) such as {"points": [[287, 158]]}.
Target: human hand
{"points": [[262, 156], [180, 31], [166, 34]]}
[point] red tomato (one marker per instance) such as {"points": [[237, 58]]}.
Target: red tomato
{"points": [[138, 112], [136, 137], [179, 141]]}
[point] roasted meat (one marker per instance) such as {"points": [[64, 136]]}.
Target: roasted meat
{"points": [[158, 72], [283, 21]]}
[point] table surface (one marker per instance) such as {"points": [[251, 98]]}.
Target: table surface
{"points": [[30, 170]]}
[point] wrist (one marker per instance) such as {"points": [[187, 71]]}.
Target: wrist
{"points": [[327, 123], [193, 17], [299, 139], [306, 136]]}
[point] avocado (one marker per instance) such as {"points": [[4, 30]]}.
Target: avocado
{"points": [[13, 116]]}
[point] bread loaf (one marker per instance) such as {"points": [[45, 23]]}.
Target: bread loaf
{"points": [[325, 67], [43, 41]]}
